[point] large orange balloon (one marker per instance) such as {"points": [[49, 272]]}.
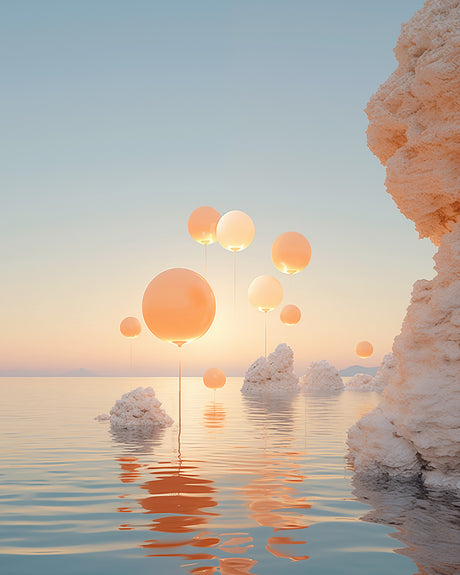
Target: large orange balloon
{"points": [[364, 349], [202, 225], [235, 231], [291, 252], [178, 306], [265, 293], [290, 314], [130, 327], [214, 378]]}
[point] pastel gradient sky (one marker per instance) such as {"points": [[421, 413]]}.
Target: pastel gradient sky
{"points": [[119, 118]]}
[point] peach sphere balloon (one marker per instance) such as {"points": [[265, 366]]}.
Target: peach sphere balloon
{"points": [[214, 378], [130, 327], [235, 231], [364, 349], [202, 225], [291, 252], [178, 306], [290, 314], [265, 293]]}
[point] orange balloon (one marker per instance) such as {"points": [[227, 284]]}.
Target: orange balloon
{"points": [[178, 306], [130, 327], [265, 293], [291, 252], [202, 225], [235, 231], [290, 314], [364, 349], [214, 378]]}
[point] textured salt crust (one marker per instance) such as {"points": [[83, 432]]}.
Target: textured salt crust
{"points": [[360, 382], [364, 382], [321, 376], [137, 410], [281, 378], [415, 131]]}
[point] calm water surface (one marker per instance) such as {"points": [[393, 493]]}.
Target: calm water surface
{"points": [[249, 490]]}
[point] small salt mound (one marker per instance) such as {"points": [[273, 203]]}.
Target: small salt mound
{"points": [[361, 382], [387, 369], [281, 378], [139, 409], [102, 417], [321, 376]]}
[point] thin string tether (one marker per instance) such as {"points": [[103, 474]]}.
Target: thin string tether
{"points": [[131, 358], [265, 353], [234, 280], [205, 259], [180, 404]]}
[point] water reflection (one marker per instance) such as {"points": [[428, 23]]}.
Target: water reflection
{"points": [[427, 522], [214, 415], [275, 415]]}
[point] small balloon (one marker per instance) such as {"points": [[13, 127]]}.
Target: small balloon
{"points": [[291, 252], [290, 314], [235, 231], [364, 349], [178, 306], [202, 225], [265, 293], [214, 378], [130, 327]]}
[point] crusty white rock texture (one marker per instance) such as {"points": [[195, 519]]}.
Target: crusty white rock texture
{"points": [[321, 376], [281, 378], [364, 382], [139, 410], [415, 131], [387, 369], [414, 120], [360, 382]]}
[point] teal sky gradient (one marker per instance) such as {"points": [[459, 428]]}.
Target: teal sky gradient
{"points": [[119, 118]]}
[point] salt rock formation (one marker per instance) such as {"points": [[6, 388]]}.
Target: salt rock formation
{"points": [[415, 131], [139, 410], [321, 376], [281, 378], [386, 370], [360, 382]]}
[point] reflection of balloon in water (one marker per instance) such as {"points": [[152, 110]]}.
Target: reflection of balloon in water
{"points": [[214, 378], [202, 224], [130, 327], [178, 306], [290, 314], [265, 293], [235, 231], [364, 349], [291, 252]]}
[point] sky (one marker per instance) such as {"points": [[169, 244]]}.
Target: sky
{"points": [[119, 118]]}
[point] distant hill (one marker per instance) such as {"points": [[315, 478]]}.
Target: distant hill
{"points": [[354, 369]]}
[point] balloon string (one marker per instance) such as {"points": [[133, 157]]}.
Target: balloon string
{"points": [[265, 350], [205, 259], [180, 404], [234, 281], [131, 359]]}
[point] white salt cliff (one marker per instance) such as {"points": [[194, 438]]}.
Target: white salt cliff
{"points": [[321, 376], [414, 129], [281, 378], [360, 382]]}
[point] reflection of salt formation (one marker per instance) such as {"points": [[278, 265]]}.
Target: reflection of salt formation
{"points": [[276, 415], [281, 378], [360, 382], [321, 376], [427, 523], [139, 409], [414, 130]]}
